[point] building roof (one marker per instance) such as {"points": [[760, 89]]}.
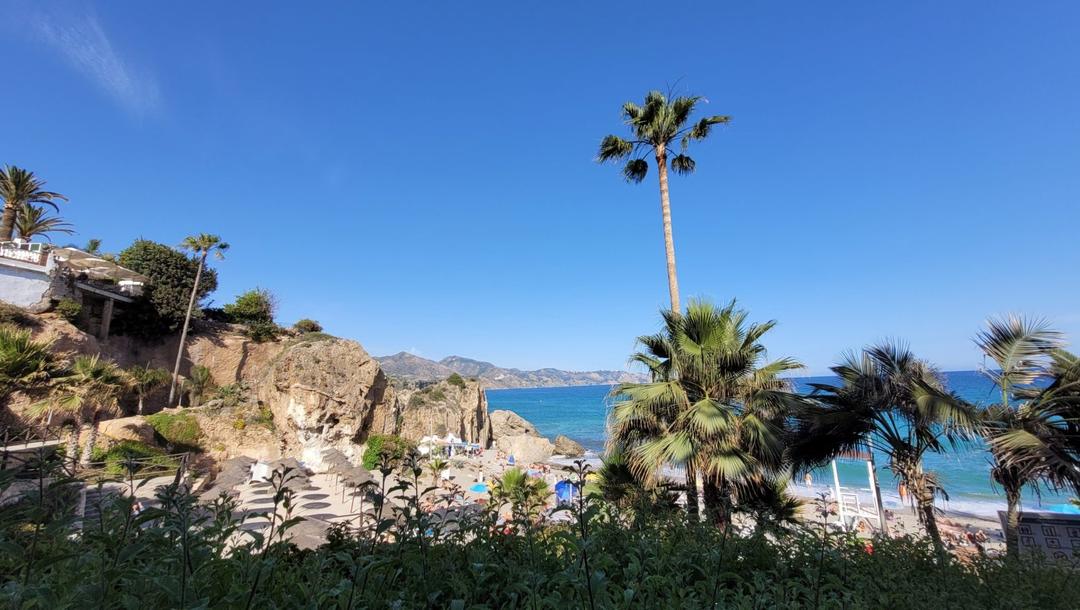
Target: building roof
{"points": [[95, 267]]}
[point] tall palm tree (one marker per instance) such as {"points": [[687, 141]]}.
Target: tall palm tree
{"points": [[146, 380], [655, 126], [32, 221], [17, 188], [1029, 440], [200, 245], [714, 406], [891, 402], [92, 387]]}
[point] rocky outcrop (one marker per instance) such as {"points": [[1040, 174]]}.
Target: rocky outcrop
{"points": [[126, 429], [445, 408], [525, 448], [327, 394], [508, 423], [564, 445]]}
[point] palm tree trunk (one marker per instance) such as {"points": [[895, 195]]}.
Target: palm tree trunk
{"points": [[7, 223], [691, 493], [924, 500], [72, 448], [714, 501], [669, 241], [1012, 523], [91, 439], [183, 333], [139, 411]]}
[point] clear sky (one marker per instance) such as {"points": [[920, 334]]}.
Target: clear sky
{"points": [[420, 176]]}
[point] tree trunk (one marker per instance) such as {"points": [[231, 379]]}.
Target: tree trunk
{"points": [[716, 505], [139, 411], [72, 448], [691, 493], [91, 439], [669, 241], [7, 223], [924, 500], [1012, 523], [183, 333]]}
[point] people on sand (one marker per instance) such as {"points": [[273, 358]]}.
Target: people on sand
{"points": [[809, 480], [902, 490]]}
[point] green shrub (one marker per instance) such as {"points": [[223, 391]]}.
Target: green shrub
{"points": [[69, 309], [417, 400], [436, 394], [178, 429], [252, 307], [261, 332], [265, 418], [308, 326], [116, 456], [455, 380], [162, 307], [232, 395], [386, 446]]}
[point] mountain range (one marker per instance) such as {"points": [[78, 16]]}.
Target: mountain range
{"points": [[411, 367]]}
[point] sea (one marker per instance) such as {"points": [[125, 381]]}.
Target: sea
{"points": [[580, 412]]}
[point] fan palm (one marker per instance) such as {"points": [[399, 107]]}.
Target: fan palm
{"points": [[526, 495], [145, 380], [1029, 433], [891, 402], [655, 126], [32, 221], [714, 406], [24, 363], [19, 187], [200, 245], [198, 384], [92, 387]]}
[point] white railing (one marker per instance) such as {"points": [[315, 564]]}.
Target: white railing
{"points": [[23, 251]]}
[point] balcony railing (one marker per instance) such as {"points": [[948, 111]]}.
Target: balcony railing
{"points": [[25, 252]]}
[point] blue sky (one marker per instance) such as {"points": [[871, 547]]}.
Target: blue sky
{"points": [[420, 176]]}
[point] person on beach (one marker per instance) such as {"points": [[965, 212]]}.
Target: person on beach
{"points": [[808, 480]]}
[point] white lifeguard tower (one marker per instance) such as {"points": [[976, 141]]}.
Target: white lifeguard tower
{"points": [[849, 509]]}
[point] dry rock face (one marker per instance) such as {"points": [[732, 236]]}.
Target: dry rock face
{"points": [[515, 436], [327, 394], [508, 423], [567, 446], [444, 409]]}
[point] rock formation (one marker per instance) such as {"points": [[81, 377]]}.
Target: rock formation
{"points": [[515, 436], [564, 445]]}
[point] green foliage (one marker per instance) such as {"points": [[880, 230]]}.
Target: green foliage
{"points": [[121, 453], [24, 363], [261, 332], [33, 221], [388, 447], [69, 309], [233, 394], [434, 394], [417, 400], [455, 380], [185, 555], [177, 429], [308, 326], [252, 307], [164, 305], [198, 384]]}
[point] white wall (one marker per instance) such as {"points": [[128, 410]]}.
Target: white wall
{"points": [[23, 287]]}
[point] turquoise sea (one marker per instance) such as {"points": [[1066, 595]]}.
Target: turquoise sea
{"points": [[580, 413]]}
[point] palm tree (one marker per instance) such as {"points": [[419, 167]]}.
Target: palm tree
{"points": [[891, 402], [1029, 441], [525, 494], [655, 127], [146, 380], [198, 384], [32, 221], [19, 187], [714, 406], [201, 245], [91, 388], [437, 465], [24, 363]]}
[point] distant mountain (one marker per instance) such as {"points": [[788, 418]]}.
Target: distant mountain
{"points": [[408, 366]]}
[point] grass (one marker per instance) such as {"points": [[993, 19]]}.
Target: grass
{"points": [[177, 429]]}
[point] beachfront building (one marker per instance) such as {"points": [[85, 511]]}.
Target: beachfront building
{"points": [[36, 276]]}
